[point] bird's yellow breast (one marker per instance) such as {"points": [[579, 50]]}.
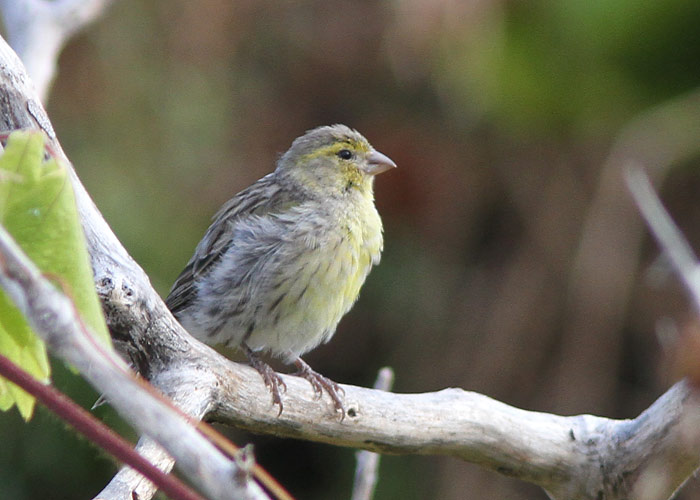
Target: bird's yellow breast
{"points": [[330, 272]]}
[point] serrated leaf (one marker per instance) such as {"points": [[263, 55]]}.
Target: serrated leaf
{"points": [[37, 207]]}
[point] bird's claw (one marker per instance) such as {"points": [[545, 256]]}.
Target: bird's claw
{"points": [[273, 381], [319, 383]]}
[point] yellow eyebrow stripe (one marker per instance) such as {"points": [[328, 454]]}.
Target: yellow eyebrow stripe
{"points": [[335, 147]]}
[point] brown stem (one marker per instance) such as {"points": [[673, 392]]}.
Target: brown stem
{"points": [[94, 430]]}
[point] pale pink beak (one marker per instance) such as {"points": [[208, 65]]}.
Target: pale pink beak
{"points": [[378, 163]]}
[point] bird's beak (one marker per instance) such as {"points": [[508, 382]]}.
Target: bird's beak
{"points": [[378, 163]]}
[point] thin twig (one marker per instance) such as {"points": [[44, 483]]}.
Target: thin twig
{"points": [[665, 231], [366, 473]]}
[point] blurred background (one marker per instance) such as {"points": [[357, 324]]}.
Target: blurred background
{"points": [[515, 263]]}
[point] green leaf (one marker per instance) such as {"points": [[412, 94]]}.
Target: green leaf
{"points": [[6, 399], [37, 207]]}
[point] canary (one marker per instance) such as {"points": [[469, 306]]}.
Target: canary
{"points": [[285, 258]]}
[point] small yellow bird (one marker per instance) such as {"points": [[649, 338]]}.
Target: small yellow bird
{"points": [[285, 259]]}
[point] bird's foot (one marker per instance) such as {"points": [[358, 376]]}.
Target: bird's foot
{"points": [[319, 383], [272, 379]]}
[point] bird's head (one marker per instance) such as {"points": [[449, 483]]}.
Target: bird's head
{"points": [[333, 160]]}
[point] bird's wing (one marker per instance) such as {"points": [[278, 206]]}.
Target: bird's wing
{"points": [[263, 197]]}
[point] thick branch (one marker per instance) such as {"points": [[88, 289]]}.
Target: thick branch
{"points": [[571, 457], [54, 318]]}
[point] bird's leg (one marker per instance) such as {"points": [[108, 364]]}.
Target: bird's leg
{"points": [[319, 382], [272, 379]]}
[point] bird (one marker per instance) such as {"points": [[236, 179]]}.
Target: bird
{"points": [[284, 260]]}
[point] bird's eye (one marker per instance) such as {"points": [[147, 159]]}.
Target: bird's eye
{"points": [[345, 154]]}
